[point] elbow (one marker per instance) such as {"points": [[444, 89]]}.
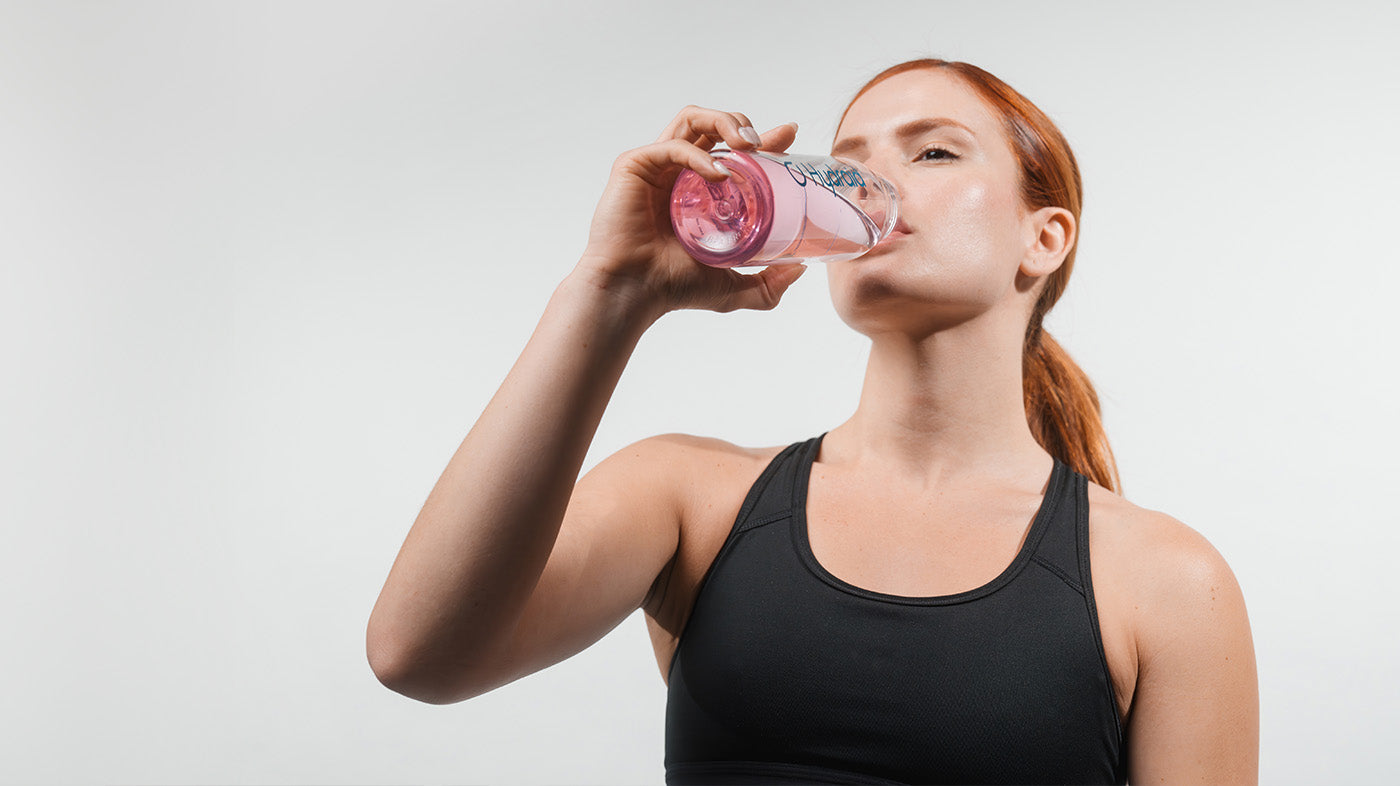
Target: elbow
{"points": [[389, 663], [388, 667], [410, 686], [393, 664], [398, 675], [405, 673]]}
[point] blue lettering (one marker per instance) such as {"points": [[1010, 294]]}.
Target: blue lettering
{"points": [[828, 177], [795, 171]]}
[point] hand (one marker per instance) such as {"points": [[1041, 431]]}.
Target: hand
{"points": [[632, 249]]}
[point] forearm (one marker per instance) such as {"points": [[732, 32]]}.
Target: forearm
{"points": [[485, 533]]}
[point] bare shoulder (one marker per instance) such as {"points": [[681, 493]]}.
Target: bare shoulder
{"points": [[1164, 556], [1195, 709], [667, 462], [711, 478], [704, 481], [698, 466], [1161, 563], [707, 448], [689, 448]]}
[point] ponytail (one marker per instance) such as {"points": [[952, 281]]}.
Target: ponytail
{"points": [[1063, 410]]}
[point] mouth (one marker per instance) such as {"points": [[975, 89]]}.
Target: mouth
{"points": [[900, 230]]}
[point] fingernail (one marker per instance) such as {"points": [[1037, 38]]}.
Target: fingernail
{"points": [[794, 125], [750, 135], [721, 168]]}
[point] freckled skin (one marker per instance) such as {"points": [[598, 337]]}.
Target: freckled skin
{"points": [[969, 226]]}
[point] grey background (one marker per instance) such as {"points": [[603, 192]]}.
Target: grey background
{"points": [[263, 264]]}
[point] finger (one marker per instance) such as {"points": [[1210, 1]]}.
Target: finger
{"points": [[699, 125], [653, 162], [780, 138], [711, 128], [763, 290]]}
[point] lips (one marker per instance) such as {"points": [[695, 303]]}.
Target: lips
{"points": [[900, 230]]}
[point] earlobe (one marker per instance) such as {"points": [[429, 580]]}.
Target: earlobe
{"points": [[1052, 235]]}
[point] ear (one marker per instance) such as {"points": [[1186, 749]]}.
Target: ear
{"points": [[1050, 233]]}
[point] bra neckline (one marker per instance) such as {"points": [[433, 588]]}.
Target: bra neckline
{"points": [[806, 458]]}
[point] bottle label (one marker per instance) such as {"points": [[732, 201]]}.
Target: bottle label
{"points": [[830, 178]]}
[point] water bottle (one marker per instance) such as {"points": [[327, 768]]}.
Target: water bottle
{"points": [[782, 208]]}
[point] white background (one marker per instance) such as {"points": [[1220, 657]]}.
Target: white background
{"points": [[263, 264]]}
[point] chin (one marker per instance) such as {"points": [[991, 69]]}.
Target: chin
{"points": [[886, 292], [876, 277], [872, 304]]}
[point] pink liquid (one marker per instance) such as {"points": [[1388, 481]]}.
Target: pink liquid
{"points": [[781, 209]]}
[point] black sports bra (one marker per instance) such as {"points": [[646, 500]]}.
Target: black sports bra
{"points": [[786, 673]]}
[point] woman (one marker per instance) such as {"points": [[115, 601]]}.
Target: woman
{"points": [[906, 598]]}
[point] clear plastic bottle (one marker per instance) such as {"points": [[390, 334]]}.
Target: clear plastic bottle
{"points": [[782, 208]]}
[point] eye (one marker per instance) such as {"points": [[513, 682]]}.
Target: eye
{"points": [[936, 154]]}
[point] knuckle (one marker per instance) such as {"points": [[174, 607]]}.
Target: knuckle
{"points": [[675, 148], [624, 159], [630, 162], [768, 295]]}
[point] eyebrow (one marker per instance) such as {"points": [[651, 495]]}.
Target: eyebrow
{"points": [[910, 129]]}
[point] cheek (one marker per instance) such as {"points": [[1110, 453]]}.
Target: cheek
{"points": [[965, 252], [971, 248], [973, 225]]}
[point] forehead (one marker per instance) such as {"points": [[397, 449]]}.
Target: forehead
{"points": [[918, 94]]}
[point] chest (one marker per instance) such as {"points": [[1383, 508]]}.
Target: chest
{"points": [[1008, 688], [927, 548], [915, 547]]}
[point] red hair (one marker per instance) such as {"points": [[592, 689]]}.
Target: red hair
{"points": [[1062, 407]]}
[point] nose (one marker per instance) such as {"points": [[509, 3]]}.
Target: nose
{"points": [[888, 170], [881, 167], [887, 206]]}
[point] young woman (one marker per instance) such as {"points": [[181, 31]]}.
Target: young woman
{"points": [[944, 588]]}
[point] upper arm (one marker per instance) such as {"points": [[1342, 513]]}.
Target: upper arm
{"points": [[1195, 710], [620, 529]]}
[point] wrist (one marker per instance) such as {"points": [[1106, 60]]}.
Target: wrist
{"points": [[620, 300]]}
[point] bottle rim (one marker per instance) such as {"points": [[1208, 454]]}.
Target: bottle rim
{"points": [[754, 240]]}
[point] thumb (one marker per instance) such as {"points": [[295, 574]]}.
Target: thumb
{"points": [[761, 291]]}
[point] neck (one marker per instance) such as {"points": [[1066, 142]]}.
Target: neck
{"points": [[949, 402]]}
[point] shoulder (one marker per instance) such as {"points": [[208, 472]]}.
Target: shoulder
{"points": [[689, 468], [690, 445], [670, 454], [1175, 579], [694, 446], [706, 481], [1195, 705], [690, 452], [1150, 537]]}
